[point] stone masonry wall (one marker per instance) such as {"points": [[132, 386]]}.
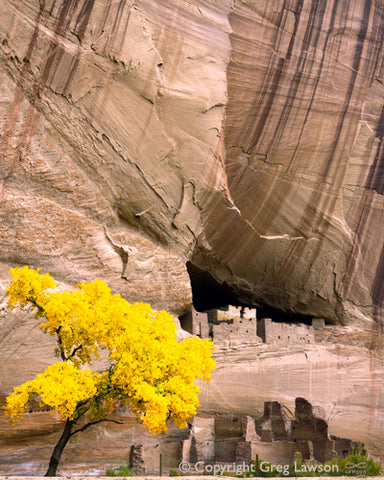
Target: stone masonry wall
{"points": [[284, 333]]}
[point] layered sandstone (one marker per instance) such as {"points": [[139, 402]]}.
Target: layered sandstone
{"points": [[240, 138], [243, 136]]}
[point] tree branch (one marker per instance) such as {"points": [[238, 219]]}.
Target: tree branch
{"points": [[74, 351], [39, 307], [59, 341], [60, 344], [94, 423], [82, 403]]}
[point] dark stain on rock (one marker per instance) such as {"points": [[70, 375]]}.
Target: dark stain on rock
{"points": [[355, 70], [12, 156], [304, 67], [298, 69], [57, 51], [328, 197], [375, 180], [82, 19], [273, 77], [374, 183], [35, 91], [111, 31], [318, 24]]}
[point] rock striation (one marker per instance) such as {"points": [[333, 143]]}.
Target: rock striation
{"points": [[244, 137]]}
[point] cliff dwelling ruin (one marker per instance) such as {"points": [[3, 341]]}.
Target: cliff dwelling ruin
{"points": [[232, 326], [225, 439]]}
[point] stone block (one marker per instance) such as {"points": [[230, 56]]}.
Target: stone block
{"points": [[226, 450], [318, 323], [195, 323], [243, 452], [228, 427]]}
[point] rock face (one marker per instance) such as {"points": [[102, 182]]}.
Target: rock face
{"points": [[305, 83], [236, 146], [243, 136]]}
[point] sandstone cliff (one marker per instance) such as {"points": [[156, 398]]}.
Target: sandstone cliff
{"points": [[243, 136]]}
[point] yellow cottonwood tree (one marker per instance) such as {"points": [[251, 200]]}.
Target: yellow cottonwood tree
{"points": [[148, 371]]}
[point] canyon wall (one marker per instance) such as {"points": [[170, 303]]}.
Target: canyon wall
{"points": [[236, 145], [244, 137]]}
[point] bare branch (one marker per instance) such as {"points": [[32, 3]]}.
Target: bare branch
{"points": [[75, 351], [60, 344], [39, 307], [94, 423]]}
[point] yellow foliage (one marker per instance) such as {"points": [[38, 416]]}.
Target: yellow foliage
{"points": [[62, 386], [28, 286], [150, 371]]}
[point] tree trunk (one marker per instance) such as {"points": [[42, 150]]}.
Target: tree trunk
{"points": [[58, 450]]}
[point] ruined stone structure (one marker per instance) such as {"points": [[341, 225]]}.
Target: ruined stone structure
{"points": [[234, 332], [234, 326], [227, 327], [273, 437], [307, 427], [344, 446], [244, 451], [200, 445], [195, 323], [136, 460], [228, 432], [244, 138], [284, 333], [229, 313], [219, 439], [273, 425], [306, 434]]}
